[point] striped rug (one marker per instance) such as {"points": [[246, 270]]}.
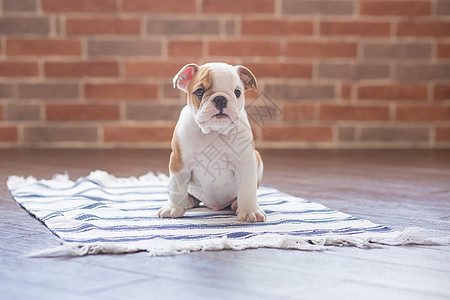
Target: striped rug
{"points": [[104, 214]]}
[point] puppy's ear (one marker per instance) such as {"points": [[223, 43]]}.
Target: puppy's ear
{"points": [[247, 78], [182, 79]]}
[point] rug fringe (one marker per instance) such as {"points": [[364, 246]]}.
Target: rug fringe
{"points": [[410, 236], [15, 182]]}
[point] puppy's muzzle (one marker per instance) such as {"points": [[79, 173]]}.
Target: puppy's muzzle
{"points": [[220, 102]]}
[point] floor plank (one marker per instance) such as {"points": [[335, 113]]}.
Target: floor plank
{"points": [[63, 274], [18, 289], [357, 290], [339, 267]]}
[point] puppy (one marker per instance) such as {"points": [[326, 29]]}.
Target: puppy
{"points": [[213, 158]]}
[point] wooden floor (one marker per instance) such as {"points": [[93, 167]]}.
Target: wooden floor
{"points": [[396, 188]]}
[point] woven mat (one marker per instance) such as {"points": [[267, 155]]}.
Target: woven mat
{"points": [[104, 214]]}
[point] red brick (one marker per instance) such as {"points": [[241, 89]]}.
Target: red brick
{"points": [[103, 26], [185, 48], [22, 5], [276, 27], [443, 134], [443, 7], [43, 47], [121, 91], [443, 50], [1, 112], [298, 111], [317, 7], [155, 133], [423, 113], [82, 69], [160, 69], [244, 48], [419, 28], [418, 71], [395, 8], [79, 5], [442, 92], [170, 92], [18, 69], [135, 47], [153, 111], [397, 50], [355, 113], [158, 6], [321, 49], [24, 25], [280, 70], [181, 26], [394, 134], [49, 90], [231, 26], [346, 91], [9, 134], [82, 112], [23, 112], [238, 7], [6, 90], [64, 133], [352, 71], [296, 91], [355, 28], [346, 134], [393, 92], [298, 133]]}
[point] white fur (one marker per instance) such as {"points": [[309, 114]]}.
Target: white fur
{"points": [[237, 171]]}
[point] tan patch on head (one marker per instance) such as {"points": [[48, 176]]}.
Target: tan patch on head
{"points": [[175, 163], [201, 79]]}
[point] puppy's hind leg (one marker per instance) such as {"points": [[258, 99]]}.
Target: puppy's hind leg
{"points": [[179, 200]]}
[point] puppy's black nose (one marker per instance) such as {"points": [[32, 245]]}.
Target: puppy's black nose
{"points": [[221, 102]]}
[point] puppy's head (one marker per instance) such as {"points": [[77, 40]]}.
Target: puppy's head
{"points": [[215, 93]]}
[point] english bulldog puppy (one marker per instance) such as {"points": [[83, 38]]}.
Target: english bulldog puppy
{"points": [[213, 158]]}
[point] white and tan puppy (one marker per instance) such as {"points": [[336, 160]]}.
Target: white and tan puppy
{"points": [[213, 158]]}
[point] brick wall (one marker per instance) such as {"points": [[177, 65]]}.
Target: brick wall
{"points": [[345, 73]]}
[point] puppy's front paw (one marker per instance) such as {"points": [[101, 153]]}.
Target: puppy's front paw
{"points": [[251, 215], [171, 211]]}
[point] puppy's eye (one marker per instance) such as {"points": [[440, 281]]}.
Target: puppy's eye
{"points": [[199, 93], [237, 93]]}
